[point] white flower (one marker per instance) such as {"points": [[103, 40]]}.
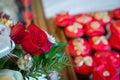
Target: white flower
{"points": [[54, 75], [42, 77], [7, 74], [50, 38]]}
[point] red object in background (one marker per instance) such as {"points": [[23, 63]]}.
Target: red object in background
{"points": [[105, 72], [74, 31], [115, 27], [83, 18], [64, 19], [83, 65], [115, 41], [27, 16], [17, 32], [99, 43], [94, 28], [26, 3], [79, 47], [102, 17], [107, 57], [116, 13]]}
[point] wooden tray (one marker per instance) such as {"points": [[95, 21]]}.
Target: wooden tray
{"points": [[49, 26]]}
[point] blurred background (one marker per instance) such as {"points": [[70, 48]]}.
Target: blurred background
{"points": [[51, 7]]}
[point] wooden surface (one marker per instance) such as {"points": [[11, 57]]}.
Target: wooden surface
{"points": [[68, 72], [49, 26], [38, 14]]}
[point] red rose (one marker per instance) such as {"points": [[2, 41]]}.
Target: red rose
{"points": [[36, 41], [17, 32]]}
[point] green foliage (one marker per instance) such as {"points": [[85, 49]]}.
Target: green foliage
{"points": [[44, 63], [2, 62], [54, 60]]}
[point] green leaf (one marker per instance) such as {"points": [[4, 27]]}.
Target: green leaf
{"points": [[62, 45], [55, 48], [54, 60], [57, 64], [2, 62], [36, 58]]}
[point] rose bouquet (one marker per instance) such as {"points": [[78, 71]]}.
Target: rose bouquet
{"points": [[28, 52]]}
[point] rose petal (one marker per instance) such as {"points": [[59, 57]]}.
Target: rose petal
{"points": [[36, 41]]}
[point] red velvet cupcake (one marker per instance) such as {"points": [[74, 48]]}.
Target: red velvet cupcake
{"points": [[83, 65], [107, 57], [83, 18], [102, 17], [99, 43], [63, 19], [116, 13], [100, 57], [115, 27], [105, 72], [94, 28], [79, 47], [115, 41], [114, 60], [74, 31]]}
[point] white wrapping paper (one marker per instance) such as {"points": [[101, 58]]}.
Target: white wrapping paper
{"points": [[6, 44]]}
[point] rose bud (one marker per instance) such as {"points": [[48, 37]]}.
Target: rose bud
{"points": [[116, 13], [102, 17], [35, 41], [99, 43], [114, 41], [74, 31], [83, 65], [64, 19], [79, 47], [105, 72], [115, 27], [94, 28], [107, 57], [83, 18], [17, 32], [7, 74]]}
